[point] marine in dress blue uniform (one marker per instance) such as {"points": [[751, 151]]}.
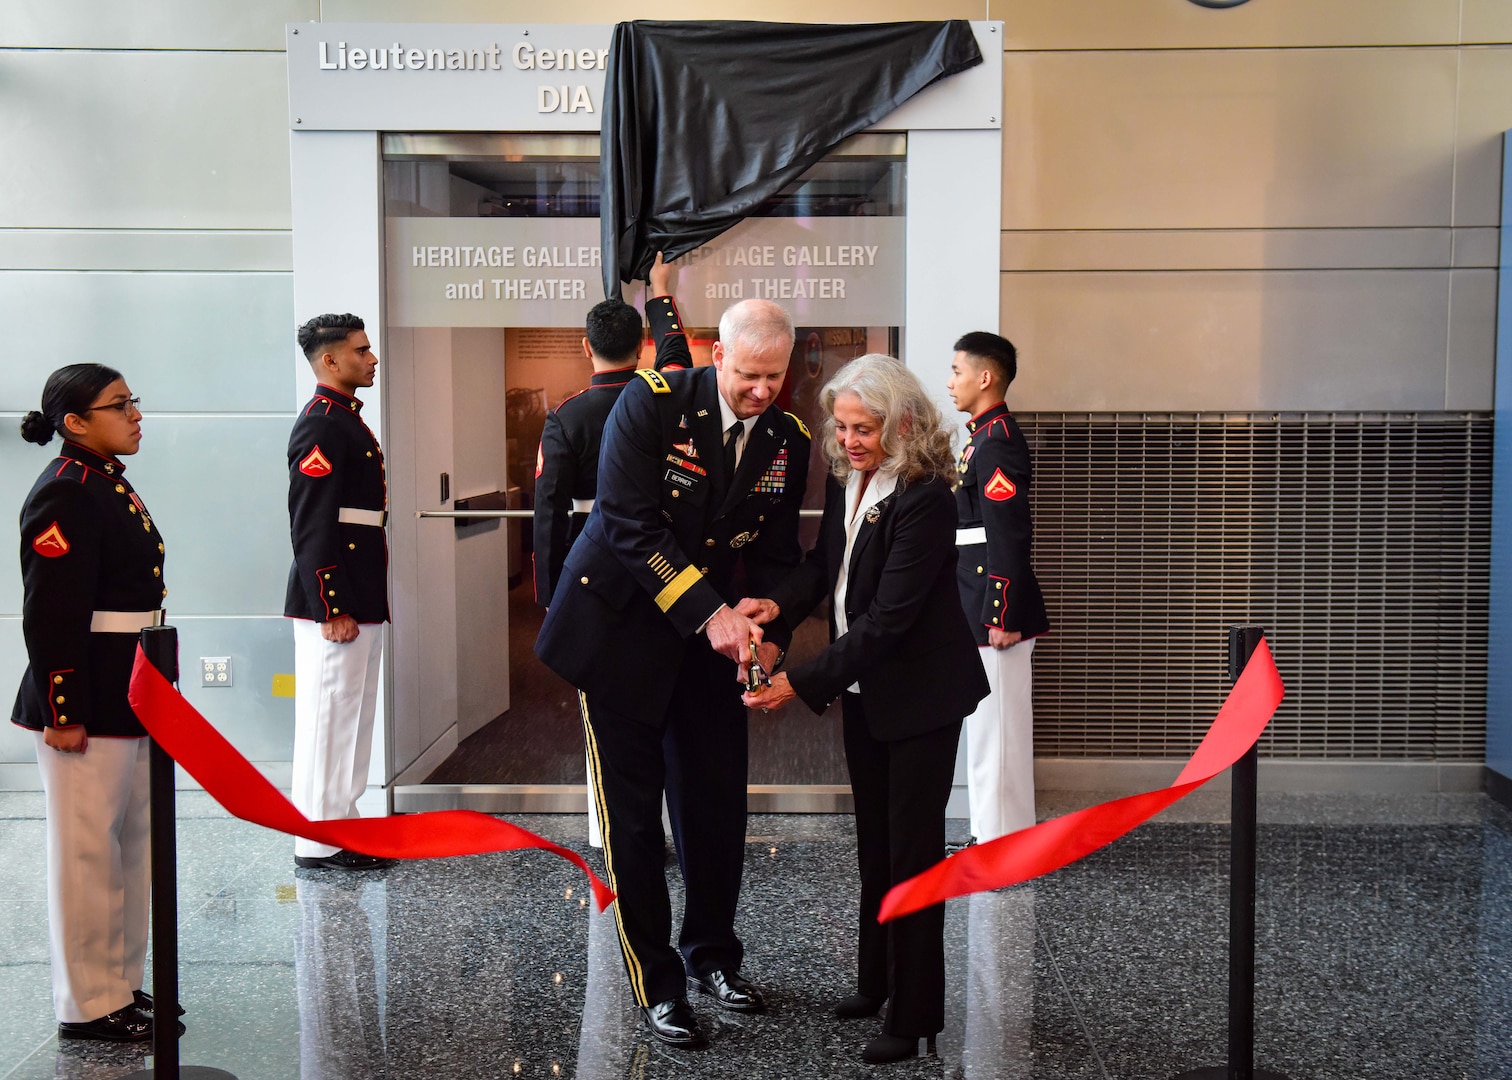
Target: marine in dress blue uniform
{"points": [[999, 591], [337, 594], [92, 574], [673, 540]]}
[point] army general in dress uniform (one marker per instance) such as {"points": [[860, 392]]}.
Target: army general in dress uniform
{"points": [[998, 588], [337, 595], [92, 571], [700, 480]]}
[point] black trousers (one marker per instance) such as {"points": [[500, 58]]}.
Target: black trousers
{"points": [[699, 758], [901, 788]]}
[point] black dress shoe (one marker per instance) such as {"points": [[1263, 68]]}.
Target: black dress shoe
{"points": [[887, 1048], [673, 1022], [858, 1006], [954, 847], [732, 990], [126, 1024], [143, 1001], [342, 860]]}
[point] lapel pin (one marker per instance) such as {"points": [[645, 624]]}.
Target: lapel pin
{"points": [[872, 514]]}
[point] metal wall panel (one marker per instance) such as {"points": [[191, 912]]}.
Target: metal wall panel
{"points": [[613, 11], [1167, 24], [150, 24], [1323, 138], [258, 724], [1485, 111], [185, 342], [144, 140], [146, 249], [15, 743], [1349, 339], [1470, 381], [219, 489], [1486, 22], [1243, 249], [20, 465]]}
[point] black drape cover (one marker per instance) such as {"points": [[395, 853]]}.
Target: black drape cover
{"points": [[704, 121]]}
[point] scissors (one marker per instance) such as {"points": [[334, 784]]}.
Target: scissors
{"points": [[756, 675]]}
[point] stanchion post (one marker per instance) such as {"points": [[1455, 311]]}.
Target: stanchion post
{"points": [[160, 646], [1242, 643]]}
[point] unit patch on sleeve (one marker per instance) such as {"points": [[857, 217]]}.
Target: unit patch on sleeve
{"points": [[50, 542], [999, 488], [315, 464]]}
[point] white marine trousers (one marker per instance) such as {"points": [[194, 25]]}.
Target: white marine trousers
{"points": [[97, 874], [335, 698], [1000, 745]]}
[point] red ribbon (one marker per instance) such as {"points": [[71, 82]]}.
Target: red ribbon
{"points": [[234, 783], [1050, 845]]}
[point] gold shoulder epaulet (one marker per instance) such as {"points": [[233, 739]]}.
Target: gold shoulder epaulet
{"points": [[802, 427], [654, 378]]}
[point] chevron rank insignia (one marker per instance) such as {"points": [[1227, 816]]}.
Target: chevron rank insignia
{"points": [[50, 542], [315, 464], [999, 488]]}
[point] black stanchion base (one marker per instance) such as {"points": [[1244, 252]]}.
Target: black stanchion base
{"points": [[185, 1072], [1221, 1072]]}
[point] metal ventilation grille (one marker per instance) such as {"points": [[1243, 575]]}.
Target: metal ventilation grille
{"points": [[1360, 542]]}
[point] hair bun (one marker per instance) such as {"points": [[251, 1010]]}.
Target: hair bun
{"points": [[36, 428]]}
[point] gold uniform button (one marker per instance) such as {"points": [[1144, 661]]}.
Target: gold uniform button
{"points": [[351, 547], [328, 577], [335, 611], [583, 580], [165, 592], [160, 548], [703, 569], [675, 494], [1000, 586], [979, 569], [760, 517], [157, 571], [57, 678], [120, 489], [62, 719], [709, 542], [131, 507], [369, 453], [997, 603], [59, 699], [147, 526], [332, 592]]}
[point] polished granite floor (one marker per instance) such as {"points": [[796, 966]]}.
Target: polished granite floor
{"points": [[1384, 950]]}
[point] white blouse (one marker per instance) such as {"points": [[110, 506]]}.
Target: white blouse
{"points": [[857, 503]]}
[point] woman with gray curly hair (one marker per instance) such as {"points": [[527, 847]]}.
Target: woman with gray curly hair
{"points": [[903, 661]]}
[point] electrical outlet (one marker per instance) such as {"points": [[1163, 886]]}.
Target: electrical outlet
{"points": [[215, 671]]}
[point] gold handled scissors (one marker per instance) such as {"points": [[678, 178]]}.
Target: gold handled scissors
{"points": [[756, 675]]}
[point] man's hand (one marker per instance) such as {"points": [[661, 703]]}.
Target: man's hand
{"points": [[73, 740], [759, 611], [768, 654], [770, 697], [1003, 639], [731, 634], [662, 279], [341, 629]]}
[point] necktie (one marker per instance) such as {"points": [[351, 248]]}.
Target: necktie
{"points": [[731, 449]]}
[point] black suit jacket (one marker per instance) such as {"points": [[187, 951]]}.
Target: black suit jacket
{"points": [[671, 538], [908, 641]]}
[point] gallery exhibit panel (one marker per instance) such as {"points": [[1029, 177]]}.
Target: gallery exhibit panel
{"points": [[446, 187]]}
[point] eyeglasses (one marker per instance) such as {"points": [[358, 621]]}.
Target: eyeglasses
{"points": [[133, 404]]}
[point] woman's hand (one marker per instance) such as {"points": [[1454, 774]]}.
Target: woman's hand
{"points": [[770, 697], [759, 611], [73, 740]]}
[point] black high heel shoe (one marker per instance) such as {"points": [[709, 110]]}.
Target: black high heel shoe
{"points": [[889, 1048], [858, 1006]]}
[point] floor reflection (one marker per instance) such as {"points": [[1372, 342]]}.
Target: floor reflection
{"points": [[340, 957]]}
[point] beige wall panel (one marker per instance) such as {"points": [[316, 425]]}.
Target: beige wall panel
{"points": [[611, 11], [1175, 24], [1360, 339], [151, 24], [1477, 248], [1238, 139], [1236, 249], [1485, 112], [1470, 381], [144, 140], [1486, 22]]}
